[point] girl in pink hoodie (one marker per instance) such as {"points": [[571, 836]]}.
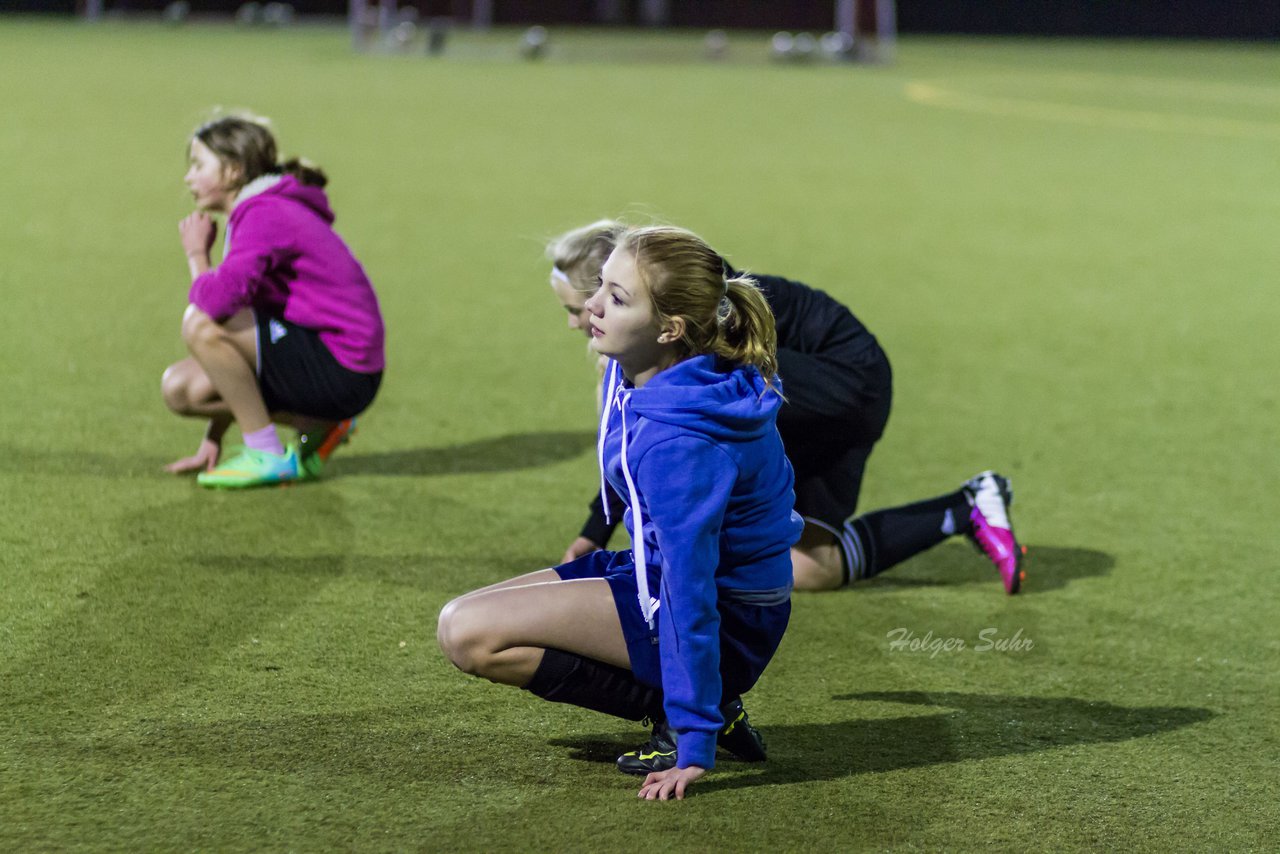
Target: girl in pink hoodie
{"points": [[286, 329]]}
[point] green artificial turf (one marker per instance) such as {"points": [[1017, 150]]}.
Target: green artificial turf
{"points": [[1068, 250]]}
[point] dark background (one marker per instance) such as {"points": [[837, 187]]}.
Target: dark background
{"points": [[1145, 18]]}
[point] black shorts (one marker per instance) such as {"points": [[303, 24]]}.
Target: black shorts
{"points": [[836, 410], [298, 374]]}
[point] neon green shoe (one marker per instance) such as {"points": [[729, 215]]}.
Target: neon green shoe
{"points": [[314, 449], [254, 468], [311, 466]]}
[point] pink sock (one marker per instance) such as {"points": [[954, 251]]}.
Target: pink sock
{"points": [[265, 439]]}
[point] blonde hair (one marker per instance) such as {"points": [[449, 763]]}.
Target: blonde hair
{"points": [[245, 141], [581, 253], [686, 278]]}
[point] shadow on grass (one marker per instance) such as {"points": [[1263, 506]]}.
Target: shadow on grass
{"points": [[1047, 567], [45, 462], [151, 617], [391, 746], [966, 727], [405, 745], [503, 453]]}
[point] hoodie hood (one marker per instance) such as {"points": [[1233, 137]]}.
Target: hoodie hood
{"points": [[288, 187], [711, 396]]}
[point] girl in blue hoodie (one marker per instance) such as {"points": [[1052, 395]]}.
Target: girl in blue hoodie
{"points": [[839, 393], [697, 607]]}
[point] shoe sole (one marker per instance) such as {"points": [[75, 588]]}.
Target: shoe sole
{"points": [[255, 485], [1019, 550], [1019, 574], [339, 435], [1014, 584], [638, 770]]}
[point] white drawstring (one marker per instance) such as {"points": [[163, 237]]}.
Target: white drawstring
{"points": [[616, 397], [637, 525], [604, 428]]}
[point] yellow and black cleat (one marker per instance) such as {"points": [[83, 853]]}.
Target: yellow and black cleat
{"points": [[656, 754], [738, 737]]}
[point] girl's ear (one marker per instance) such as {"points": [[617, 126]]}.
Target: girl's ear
{"points": [[232, 174], [672, 331]]}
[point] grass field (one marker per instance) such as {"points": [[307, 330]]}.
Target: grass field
{"points": [[1068, 249]]}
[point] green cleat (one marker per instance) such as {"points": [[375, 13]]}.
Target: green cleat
{"points": [[316, 448], [254, 468], [311, 466]]}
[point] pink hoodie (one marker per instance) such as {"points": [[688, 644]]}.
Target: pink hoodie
{"points": [[283, 257]]}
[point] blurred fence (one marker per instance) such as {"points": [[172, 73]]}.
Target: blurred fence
{"points": [[1240, 19]]}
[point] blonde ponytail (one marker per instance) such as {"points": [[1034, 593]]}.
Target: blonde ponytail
{"points": [[747, 334]]}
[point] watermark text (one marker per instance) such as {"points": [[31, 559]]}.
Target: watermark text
{"points": [[989, 639]]}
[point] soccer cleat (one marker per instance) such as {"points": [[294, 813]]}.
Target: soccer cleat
{"points": [[254, 468], [738, 737], [990, 497], [656, 754], [314, 449]]}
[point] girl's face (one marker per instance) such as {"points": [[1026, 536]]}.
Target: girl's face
{"points": [[621, 320], [209, 180], [574, 302]]}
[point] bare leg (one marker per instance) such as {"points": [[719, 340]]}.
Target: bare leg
{"points": [[816, 562], [227, 352], [535, 577], [500, 632], [188, 391]]}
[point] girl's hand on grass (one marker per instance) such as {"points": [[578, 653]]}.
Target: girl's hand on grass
{"points": [[660, 785], [578, 548], [198, 231], [204, 459]]}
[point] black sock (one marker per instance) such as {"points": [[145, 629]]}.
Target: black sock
{"points": [[564, 677], [882, 539]]}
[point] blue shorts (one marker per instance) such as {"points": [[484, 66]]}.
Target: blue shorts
{"points": [[749, 634]]}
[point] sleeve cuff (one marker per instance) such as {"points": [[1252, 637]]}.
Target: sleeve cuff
{"points": [[696, 748]]}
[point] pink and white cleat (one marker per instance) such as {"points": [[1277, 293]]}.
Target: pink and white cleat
{"points": [[990, 497]]}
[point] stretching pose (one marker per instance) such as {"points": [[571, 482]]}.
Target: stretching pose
{"points": [[287, 328], [838, 389], [693, 613]]}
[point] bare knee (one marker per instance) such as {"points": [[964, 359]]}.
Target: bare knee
{"points": [[199, 330], [462, 638], [185, 388], [173, 388]]}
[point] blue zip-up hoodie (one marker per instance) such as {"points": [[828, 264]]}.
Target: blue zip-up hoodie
{"points": [[697, 453]]}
